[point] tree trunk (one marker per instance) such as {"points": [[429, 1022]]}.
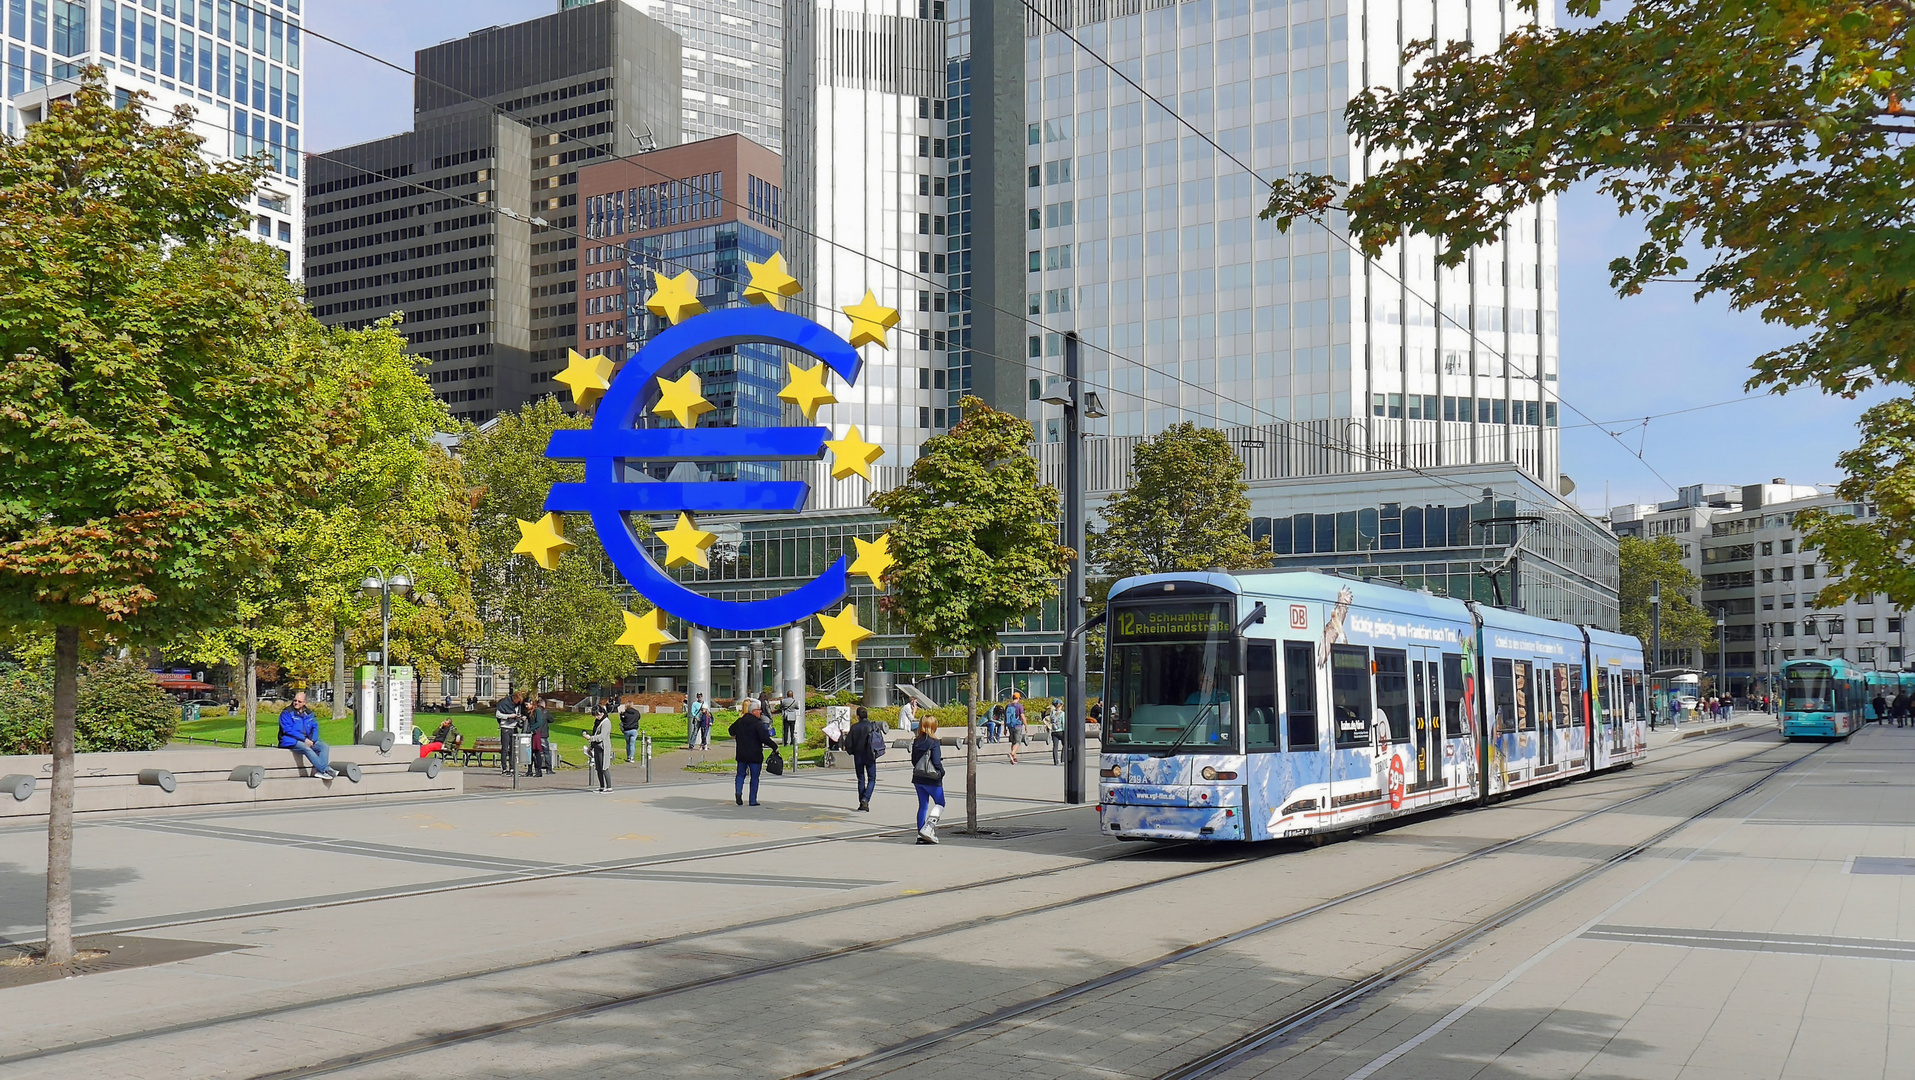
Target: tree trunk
{"points": [[970, 742], [339, 675], [66, 701], [251, 666]]}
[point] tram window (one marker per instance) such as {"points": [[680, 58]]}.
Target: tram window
{"points": [[1452, 695], [1393, 691], [1260, 698], [1350, 694], [1300, 694], [1505, 679], [1525, 696]]}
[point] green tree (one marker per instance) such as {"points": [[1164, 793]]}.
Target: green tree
{"points": [[120, 708], [557, 624], [1771, 133], [1871, 554], [1646, 562], [156, 407], [1187, 508], [975, 544]]}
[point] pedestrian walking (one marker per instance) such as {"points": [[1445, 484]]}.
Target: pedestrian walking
{"points": [[865, 741], [789, 709], [598, 750], [1054, 721], [1014, 722], [630, 726], [752, 737], [507, 713], [927, 776], [704, 722], [1901, 709]]}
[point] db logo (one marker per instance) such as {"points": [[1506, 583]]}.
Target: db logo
{"points": [[1299, 617], [1396, 783]]}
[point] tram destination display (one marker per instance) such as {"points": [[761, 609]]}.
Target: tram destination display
{"points": [[1174, 622]]}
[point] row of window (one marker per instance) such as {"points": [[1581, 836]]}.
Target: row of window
{"points": [[1461, 409], [656, 206], [1389, 527]]}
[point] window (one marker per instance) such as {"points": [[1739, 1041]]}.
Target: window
{"points": [[1788, 573], [1865, 656], [1895, 626], [1452, 695], [1393, 691], [1300, 695], [1788, 547], [1768, 547], [1350, 694], [1839, 654], [1260, 699], [1808, 572], [1525, 700], [1503, 679], [1865, 626]]}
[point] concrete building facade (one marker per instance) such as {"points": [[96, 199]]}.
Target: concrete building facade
{"points": [[470, 223]]}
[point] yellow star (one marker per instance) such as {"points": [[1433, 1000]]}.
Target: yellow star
{"points": [[807, 389], [645, 634], [685, 543], [842, 631], [683, 400], [771, 282], [869, 321], [852, 454], [587, 376], [676, 298], [874, 558], [544, 540]]}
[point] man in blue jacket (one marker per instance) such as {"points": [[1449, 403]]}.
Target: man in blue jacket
{"points": [[299, 732]]}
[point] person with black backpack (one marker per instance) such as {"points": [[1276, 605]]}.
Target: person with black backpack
{"points": [[865, 741]]}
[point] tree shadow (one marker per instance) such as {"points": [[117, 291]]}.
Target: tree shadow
{"points": [[23, 898]]}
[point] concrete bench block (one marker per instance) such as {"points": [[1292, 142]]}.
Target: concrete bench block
{"points": [[250, 775], [159, 778], [20, 787]]}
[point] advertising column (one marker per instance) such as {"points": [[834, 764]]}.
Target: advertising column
{"points": [[399, 705], [365, 700]]}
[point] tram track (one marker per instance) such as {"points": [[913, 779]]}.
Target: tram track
{"points": [[1254, 1042], [482, 1032]]}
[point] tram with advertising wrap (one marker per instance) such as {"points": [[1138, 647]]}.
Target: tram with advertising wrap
{"points": [[1822, 698], [1267, 704]]}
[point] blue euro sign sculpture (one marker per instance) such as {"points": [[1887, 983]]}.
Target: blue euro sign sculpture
{"points": [[612, 440]]}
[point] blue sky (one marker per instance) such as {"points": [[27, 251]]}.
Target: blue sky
{"points": [[1622, 359]]}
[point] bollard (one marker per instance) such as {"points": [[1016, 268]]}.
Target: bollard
{"points": [[645, 751], [159, 778]]}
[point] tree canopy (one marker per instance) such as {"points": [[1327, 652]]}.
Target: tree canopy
{"points": [[559, 623], [1774, 134], [1187, 508], [1685, 625], [976, 539], [1870, 554]]}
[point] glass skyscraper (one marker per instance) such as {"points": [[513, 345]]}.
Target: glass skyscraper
{"points": [[237, 65]]}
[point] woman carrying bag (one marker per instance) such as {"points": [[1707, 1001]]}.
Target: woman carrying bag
{"points": [[598, 748], [927, 775]]}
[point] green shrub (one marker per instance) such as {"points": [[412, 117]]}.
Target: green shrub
{"points": [[121, 708]]}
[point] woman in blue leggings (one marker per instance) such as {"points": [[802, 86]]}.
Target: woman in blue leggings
{"points": [[927, 775]]}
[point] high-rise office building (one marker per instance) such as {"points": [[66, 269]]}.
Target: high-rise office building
{"points": [[733, 63], [865, 202], [707, 207], [237, 66], [469, 223]]}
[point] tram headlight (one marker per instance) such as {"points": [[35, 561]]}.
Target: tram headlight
{"points": [[1108, 773], [1210, 772]]}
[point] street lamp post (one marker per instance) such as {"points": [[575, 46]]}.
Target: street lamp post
{"points": [[1655, 633], [1722, 652], [1079, 405], [382, 584]]}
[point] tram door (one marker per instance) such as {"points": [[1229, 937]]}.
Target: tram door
{"points": [[1544, 711], [1426, 704]]}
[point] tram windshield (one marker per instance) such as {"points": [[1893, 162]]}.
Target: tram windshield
{"points": [[1170, 680], [1809, 688]]}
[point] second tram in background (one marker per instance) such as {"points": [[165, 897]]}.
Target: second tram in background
{"points": [[1256, 705], [1824, 698]]}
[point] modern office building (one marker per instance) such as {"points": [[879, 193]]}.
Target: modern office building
{"points": [[469, 223], [708, 207], [733, 65], [237, 67], [865, 192], [1142, 236]]}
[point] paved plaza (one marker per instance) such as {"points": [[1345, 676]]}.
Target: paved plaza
{"points": [[1733, 907]]}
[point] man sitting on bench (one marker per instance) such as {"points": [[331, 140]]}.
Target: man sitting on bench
{"points": [[299, 732]]}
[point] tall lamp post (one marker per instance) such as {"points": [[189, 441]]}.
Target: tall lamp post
{"points": [[1655, 634], [381, 584], [1079, 405]]}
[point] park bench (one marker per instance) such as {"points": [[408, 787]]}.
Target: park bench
{"points": [[480, 750]]}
